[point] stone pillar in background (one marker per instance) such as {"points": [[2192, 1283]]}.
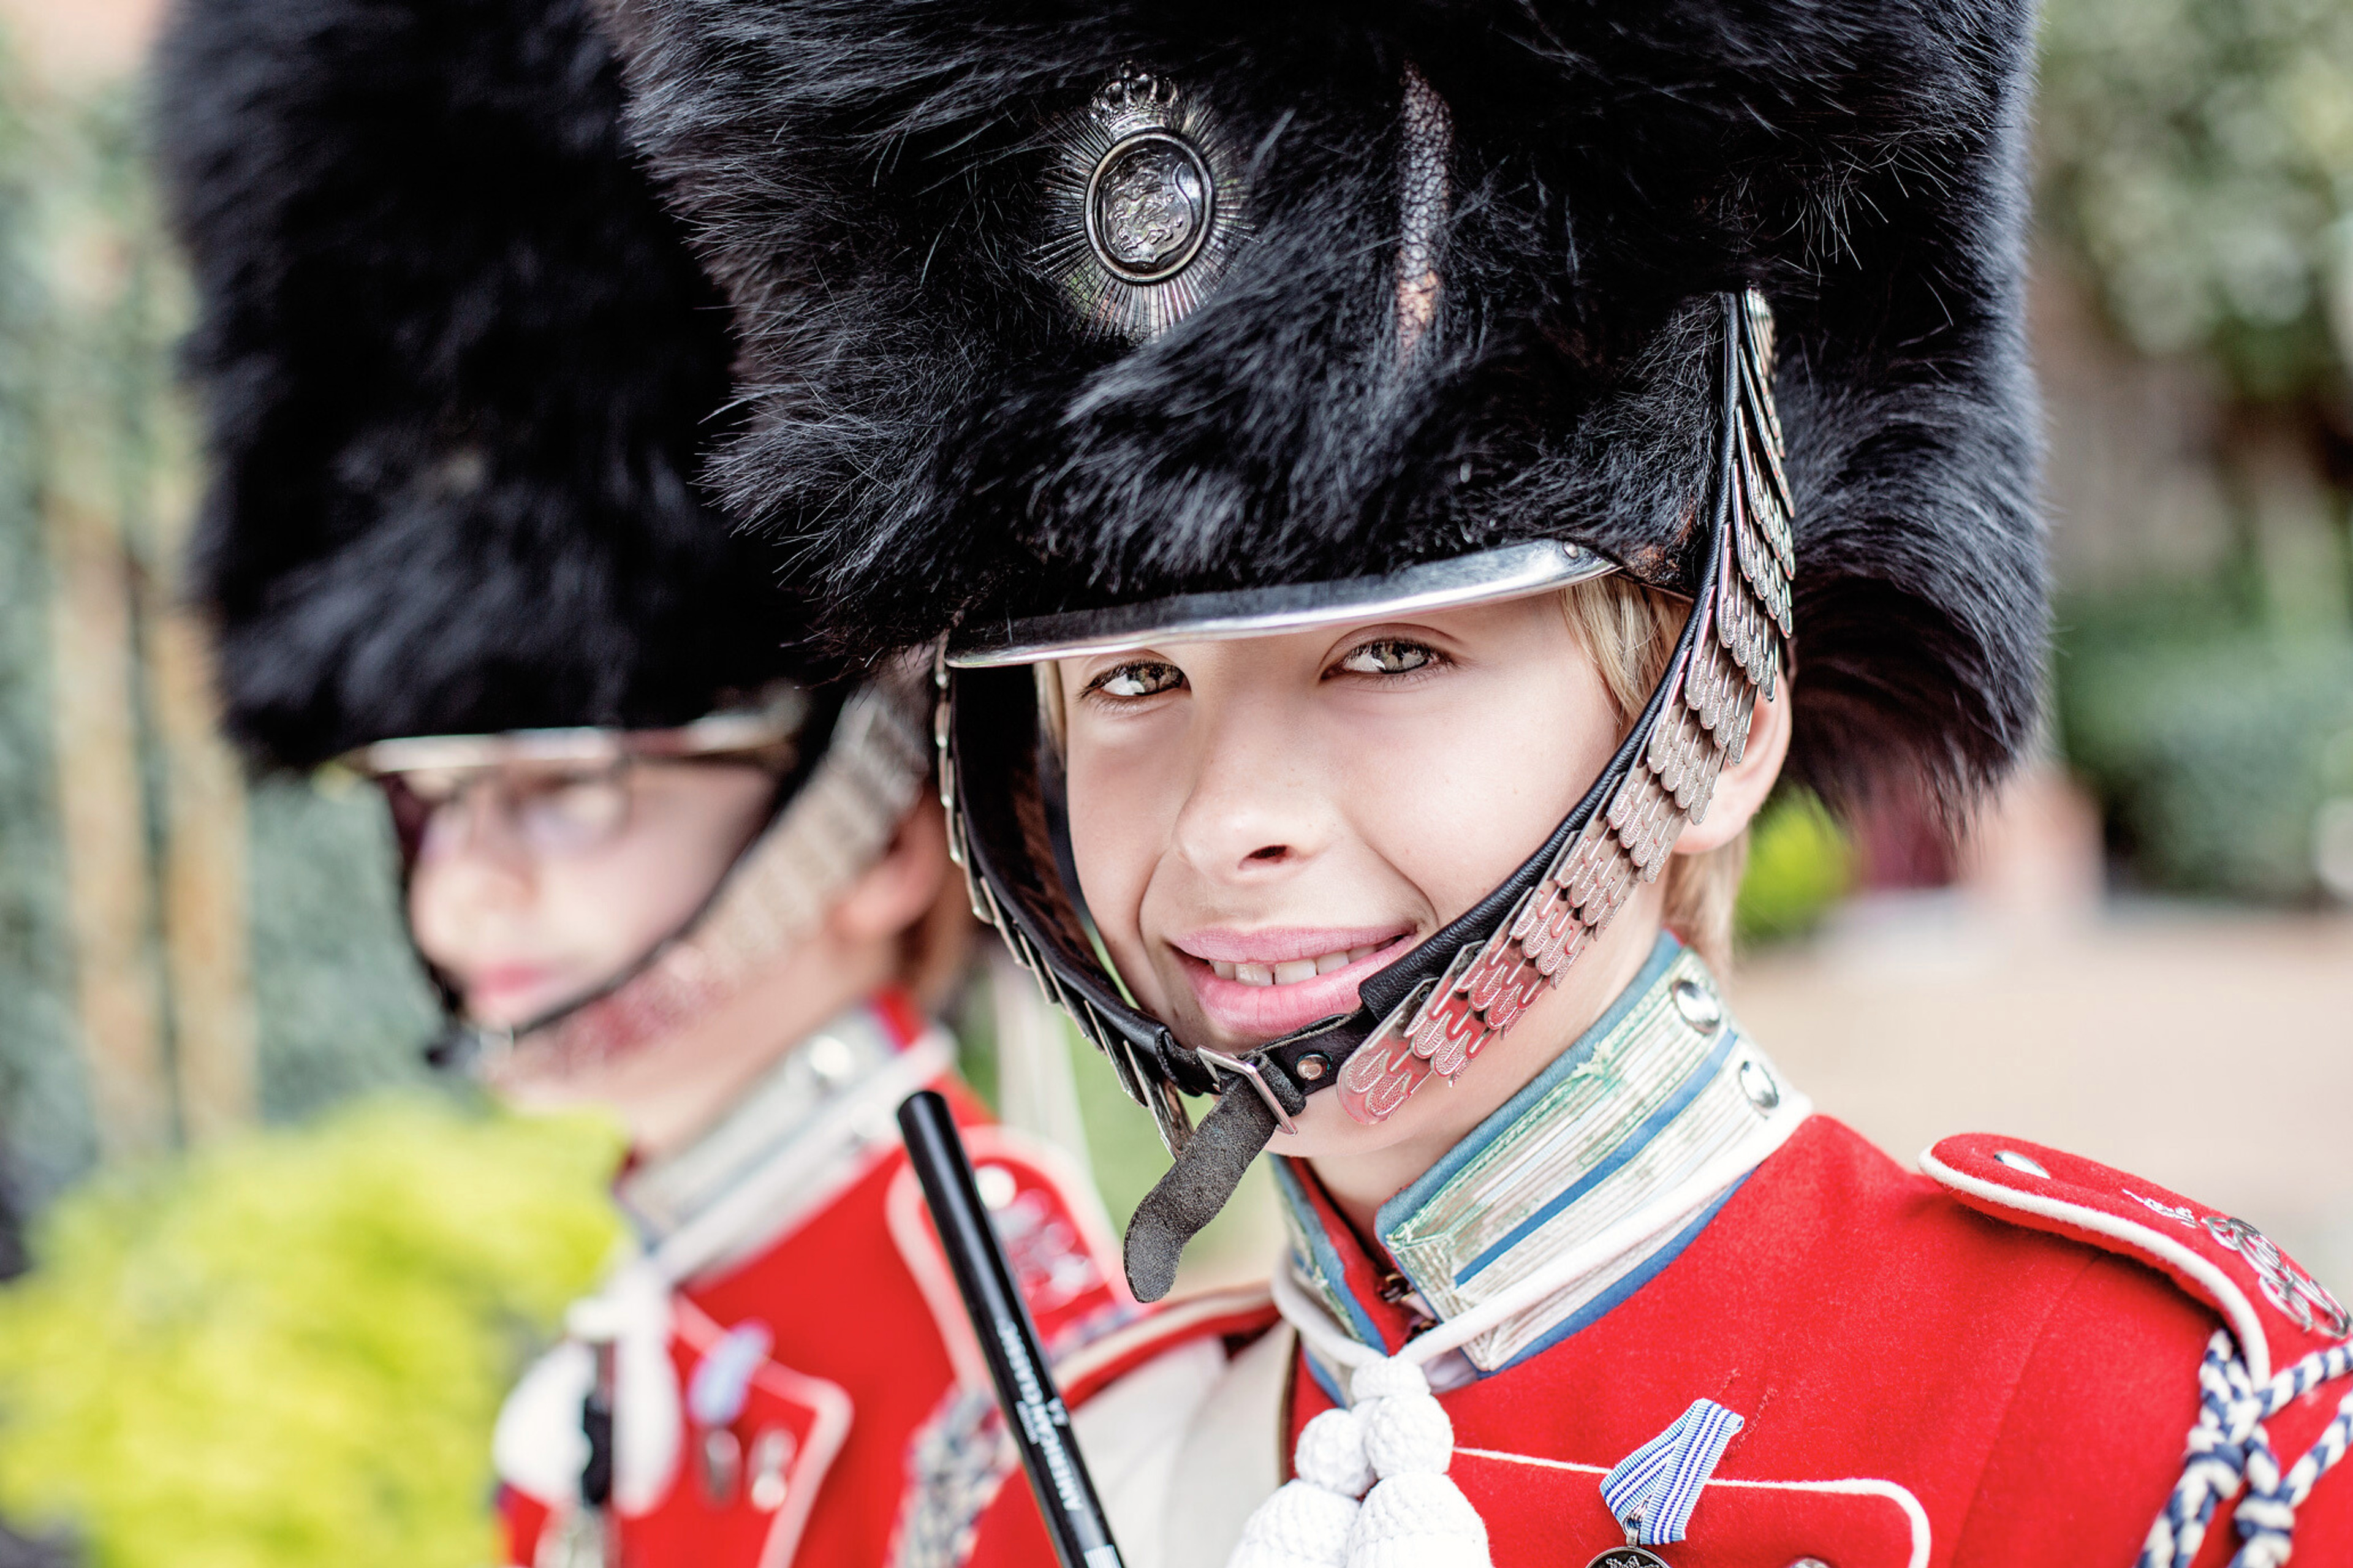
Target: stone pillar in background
{"points": [[102, 821], [1037, 1087], [208, 968], [151, 803]]}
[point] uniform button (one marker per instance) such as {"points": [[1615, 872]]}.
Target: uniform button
{"points": [[1810, 1562], [772, 1455], [832, 1060], [1758, 1086], [2018, 1161], [996, 1185], [1699, 1006], [723, 1466]]}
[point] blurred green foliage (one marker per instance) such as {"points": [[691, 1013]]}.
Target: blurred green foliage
{"points": [[288, 1350], [2198, 171], [2211, 738], [1800, 864], [45, 1126], [2197, 164], [340, 1005], [91, 305]]}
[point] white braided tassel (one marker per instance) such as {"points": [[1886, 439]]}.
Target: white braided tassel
{"points": [[1397, 1441], [1307, 1521]]}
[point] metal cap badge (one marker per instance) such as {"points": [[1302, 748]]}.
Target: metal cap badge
{"points": [[1145, 202]]}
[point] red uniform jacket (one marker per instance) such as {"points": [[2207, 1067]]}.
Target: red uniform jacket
{"points": [[1990, 1364], [848, 1341]]}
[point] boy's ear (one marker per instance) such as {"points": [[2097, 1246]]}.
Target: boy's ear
{"points": [[895, 891], [1741, 789]]}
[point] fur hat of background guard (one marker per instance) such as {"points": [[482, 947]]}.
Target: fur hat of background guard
{"points": [[944, 366], [458, 369]]}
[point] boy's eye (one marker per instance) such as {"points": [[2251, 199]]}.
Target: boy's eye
{"points": [[1146, 677], [1389, 655]]}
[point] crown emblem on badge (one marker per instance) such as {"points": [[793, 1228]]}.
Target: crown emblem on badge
{"points": [[1143, 205]]}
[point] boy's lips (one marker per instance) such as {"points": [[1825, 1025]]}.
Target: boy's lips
{"points": [[512, 988], [1265, 983]]}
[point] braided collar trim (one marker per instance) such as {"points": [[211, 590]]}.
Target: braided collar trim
{"points": [[811, 1121]]}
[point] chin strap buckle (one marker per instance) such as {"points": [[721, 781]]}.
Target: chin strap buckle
{"points": [[1255, 1074]]}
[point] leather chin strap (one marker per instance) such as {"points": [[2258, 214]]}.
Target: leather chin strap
{"points": [[1198, 1183], [988, 727]]}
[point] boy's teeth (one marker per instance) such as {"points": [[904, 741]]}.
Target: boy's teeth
{"points": [[1291, 971]]}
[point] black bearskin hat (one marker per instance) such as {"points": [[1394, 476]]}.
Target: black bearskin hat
{"points": [[944, 365], [458, 369], [1071, 328]]}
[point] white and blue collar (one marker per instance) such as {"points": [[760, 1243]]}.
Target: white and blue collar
{"points": [[795, 1138]]}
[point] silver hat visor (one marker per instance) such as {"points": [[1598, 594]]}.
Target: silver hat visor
{"points": [[1490, 576], [774, 722]]}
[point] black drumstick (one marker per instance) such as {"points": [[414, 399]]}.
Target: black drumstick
{"points": [[1025, 1385]]}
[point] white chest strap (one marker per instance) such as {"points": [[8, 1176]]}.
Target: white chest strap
{"points": [[1184, 1446], [1232, 1459]]}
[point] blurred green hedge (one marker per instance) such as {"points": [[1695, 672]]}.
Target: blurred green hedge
{"points": [[1800, 864], [288, 1350], [2211, 739], [91, 305], [2195, 160]]}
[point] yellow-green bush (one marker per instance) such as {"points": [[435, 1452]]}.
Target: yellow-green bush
{"points": [[1800, 865], [288, 1350]]}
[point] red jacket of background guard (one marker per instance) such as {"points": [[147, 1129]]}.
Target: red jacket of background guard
{"points": [[843, 1349]]}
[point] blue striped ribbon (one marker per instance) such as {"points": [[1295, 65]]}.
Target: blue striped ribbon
{"points": [[1652, 1490]]}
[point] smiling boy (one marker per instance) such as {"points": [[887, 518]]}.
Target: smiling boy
{"points": [[1377, 580], [1231, 803]]}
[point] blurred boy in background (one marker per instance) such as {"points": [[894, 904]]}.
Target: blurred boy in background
{"points": [[657, 856]]}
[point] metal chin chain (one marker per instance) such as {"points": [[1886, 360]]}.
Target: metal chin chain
{"points": [[488, 1045], [465, 1048], [1695, 725]]}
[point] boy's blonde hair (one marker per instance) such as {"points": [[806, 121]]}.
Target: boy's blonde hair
{"points": [[1629, 632]]}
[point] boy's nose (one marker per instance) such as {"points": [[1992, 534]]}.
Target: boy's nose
{"points": [[477, 862], [1253, 807]]}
